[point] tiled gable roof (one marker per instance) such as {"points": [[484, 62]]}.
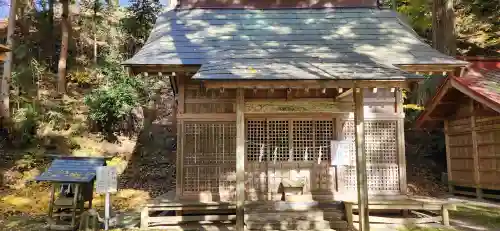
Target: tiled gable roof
{"points": [[376, 37], [484, 83]]}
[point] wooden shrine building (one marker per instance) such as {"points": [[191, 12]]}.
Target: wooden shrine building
{"points": [[281, 96], [469, 105]]}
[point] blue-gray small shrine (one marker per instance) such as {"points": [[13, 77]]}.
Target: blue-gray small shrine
{"points": [[72, 181]]}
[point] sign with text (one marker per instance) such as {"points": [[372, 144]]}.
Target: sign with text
{"points": [[340, 152], [106, 180]]}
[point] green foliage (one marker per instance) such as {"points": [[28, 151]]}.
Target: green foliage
{"points": [[419, 13], [84, 78], [478, 27], [139, 22], [476, 23], [25, 121], [112, 102]]}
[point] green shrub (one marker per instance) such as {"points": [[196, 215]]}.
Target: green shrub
{"points": [[25, 123], [112, 102], [83, 78]]}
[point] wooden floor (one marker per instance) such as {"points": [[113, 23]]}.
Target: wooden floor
{"points": [[279, 215], [169, 214]]}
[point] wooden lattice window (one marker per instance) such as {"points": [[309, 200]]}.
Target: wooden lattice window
{"points": [[289, 140], [209, 159], [381, 155], [380, 178], [380, 141]]}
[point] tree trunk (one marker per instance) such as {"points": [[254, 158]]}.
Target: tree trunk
{"points": [[50, 38], [443, 27], [7, 66], [63, 57], [94, 29]]}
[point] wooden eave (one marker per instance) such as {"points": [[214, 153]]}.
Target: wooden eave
{"points": [[166, 69], [475, 96], [303, 84], [188, 70], [430, 68], [428, 116]]}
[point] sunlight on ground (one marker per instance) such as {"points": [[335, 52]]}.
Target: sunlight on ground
{"points": [[477, 217], [124, 200], [32, 200], [425, 229]]}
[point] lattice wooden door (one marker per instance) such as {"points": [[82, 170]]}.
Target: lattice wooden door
{"points": [[209, 159], [288, 149], [381, 156]]}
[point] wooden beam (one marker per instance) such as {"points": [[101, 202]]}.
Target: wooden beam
{"points": [[349, 215], [448, 155], [405, 220], [144, 217], [362, 184], [475, 151], [446, 216], [400, 123], [207, 117], [302, 105], [292, 115], [344, 94], [302, 84], [429, 67], [448, 103], [182, 94], [240, 159], [429, 108], [164, 68]]}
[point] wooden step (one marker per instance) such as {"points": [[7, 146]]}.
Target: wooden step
{"points": [[173, 220], [287, 225], [294, 206], [281, 216], [292, 230], [195, 227]]}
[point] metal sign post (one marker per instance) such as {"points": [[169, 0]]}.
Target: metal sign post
{"points": [[106, 182]]}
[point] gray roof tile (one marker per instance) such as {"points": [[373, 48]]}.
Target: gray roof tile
{"points": [[357, 35]]}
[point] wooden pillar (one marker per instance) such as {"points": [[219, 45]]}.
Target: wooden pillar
{"points": [[400, 136], [179, 170], [362, 184], [475, 153], [50, 214], [240, 159], [180, 139], [448, 156], [76, 197]]}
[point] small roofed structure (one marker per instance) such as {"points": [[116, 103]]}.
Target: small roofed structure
{"points": [[469, 105], [75, 177], [267, 95]]}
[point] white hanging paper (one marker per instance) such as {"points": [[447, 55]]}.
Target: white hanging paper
{"points": [[261, 152], [340, 152], [290, 155], [320, 154], [275, 153], [306, 155]]}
